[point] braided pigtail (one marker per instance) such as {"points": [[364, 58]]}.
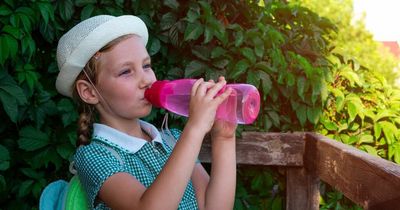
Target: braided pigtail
{"points": [[85, 124]]}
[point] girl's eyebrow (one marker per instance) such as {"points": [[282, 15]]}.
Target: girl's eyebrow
{"points": [[147, 59], [127, 63]]}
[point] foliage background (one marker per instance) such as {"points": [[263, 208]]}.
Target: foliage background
{"points": [[307, 78]]}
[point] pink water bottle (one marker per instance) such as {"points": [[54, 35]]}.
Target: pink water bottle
{"points": [[241, 107]]}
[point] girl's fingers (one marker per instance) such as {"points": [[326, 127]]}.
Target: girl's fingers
{"points": [[203, 88], [196, 86], [219, 99], [200, 87], [212, 92]]}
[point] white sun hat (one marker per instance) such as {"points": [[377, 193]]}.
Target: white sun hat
{"points": [[79, 44]]}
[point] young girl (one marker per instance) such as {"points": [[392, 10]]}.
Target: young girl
{"points": [[123, 162]]}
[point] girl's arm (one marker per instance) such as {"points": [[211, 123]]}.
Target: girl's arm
{"points": [[123, 191], [218, 190]]}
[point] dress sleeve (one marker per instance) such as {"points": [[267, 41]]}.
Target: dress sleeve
{"points": [[95, 164]]}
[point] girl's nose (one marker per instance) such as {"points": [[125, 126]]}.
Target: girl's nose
{"points": [[148, 79]]}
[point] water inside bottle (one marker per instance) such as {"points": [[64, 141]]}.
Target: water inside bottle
{"points": [[179, 104]]}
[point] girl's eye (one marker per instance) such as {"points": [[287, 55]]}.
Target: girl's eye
{"points": [[124, 72], [147, 66]]}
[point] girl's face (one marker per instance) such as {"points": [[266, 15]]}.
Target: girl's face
{"points": [[124, 75]]}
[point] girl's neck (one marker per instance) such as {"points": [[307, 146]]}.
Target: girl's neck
{"points": [[131, 128]]}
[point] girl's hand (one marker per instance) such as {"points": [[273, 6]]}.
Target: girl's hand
{"points": [[223, 130], [204, 103]]}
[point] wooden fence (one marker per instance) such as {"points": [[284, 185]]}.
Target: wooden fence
{"points": [[308, 158]]}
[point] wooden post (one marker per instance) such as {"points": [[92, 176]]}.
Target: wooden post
{"points": [[302, 189]]}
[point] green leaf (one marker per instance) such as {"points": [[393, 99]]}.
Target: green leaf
{"points": [[173, 4], [154, 46], [239, 69], [274, 117], [253, 78], [313, 114], [4, 50], [31, 173], [11, 96], [32, 139], [81, 3], [28, 45], [5, 11], [377, 130], [87, 11], [14, 31], [396, 152], [193, 31], [206, 8], [217, 52], [290, 79], [3, 184], [277, 203], [195, 68], [369, 149], [301, 84], [28, 75], [352, 77], [390, 130], [366, 138], [262, 65], [352, 111], [26, 22], [239, 38], [45, 11], [167, 21], [65, 150], [256, 182], [339, 98], [69, 114], [193, 14], [328, 124], [12, 45], [221, 64], [301, 114], [266, 82], [66, 9], [248, 53], [4, 158], [201, 52], [25, 188], [10, 105], [208, 35], [258, 47]]}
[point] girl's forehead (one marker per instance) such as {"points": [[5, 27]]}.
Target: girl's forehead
{"points": [[130, 50]]}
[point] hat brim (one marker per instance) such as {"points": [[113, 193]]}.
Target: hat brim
{"points": [[96, 39]]}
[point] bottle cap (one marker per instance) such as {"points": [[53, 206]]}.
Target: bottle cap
{"points": [[251, 106]]}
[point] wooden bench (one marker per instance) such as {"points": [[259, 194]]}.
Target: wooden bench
{"points": [[308, 158]]}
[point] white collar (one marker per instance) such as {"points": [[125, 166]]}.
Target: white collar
{"points": [[127, 142]]}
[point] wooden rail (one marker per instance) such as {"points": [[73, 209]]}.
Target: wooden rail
{"points": [[308, 158]]}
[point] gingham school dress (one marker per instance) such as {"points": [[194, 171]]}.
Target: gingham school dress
{"points": [[123, 153]]}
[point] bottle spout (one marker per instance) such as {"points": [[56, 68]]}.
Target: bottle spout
{"points": [[157, 93]]}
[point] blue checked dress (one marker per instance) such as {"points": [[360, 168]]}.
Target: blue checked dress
{"points": [[112, 151]]}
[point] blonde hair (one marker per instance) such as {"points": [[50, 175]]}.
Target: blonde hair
{"points": [[87, 112]]}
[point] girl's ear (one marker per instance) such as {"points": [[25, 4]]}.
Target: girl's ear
{"points": [[87, 92]]}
